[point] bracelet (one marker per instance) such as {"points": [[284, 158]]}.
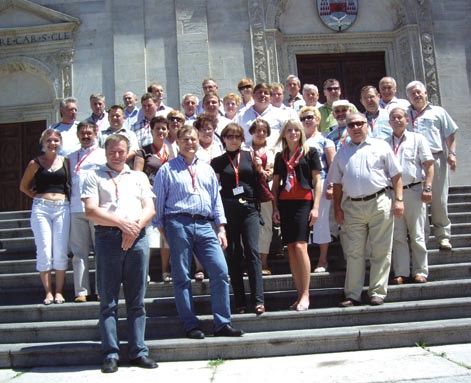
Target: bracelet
{"points": [[452, 153]]}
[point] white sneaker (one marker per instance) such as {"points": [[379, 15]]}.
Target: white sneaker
{"points": [[445, 244]]}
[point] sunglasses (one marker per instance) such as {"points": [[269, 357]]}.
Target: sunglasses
{"points": [[233, 137], [243, 87], [332, 88], [356, 124], [176, 119], [309, 117]]}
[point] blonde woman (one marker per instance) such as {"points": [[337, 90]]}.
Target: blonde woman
{"points": [[46, 180], [296, 190]]}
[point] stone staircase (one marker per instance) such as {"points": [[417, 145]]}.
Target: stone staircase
{"points": [[438, 312]]}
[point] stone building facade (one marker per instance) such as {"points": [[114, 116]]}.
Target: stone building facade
{"points": [[51, 49]]}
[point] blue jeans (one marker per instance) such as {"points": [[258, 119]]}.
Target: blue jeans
{"points": [[114, 265], [186, 236], [243, 224]]}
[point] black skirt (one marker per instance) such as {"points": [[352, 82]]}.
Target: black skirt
{"points": [[294, 217]]}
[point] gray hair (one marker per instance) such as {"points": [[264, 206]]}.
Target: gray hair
{"points": [[307, 87], [65, 101], [414, 84]]}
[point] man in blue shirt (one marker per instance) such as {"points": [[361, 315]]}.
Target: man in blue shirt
{"points": [[187, 206]]}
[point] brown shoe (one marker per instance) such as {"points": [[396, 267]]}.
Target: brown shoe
{"points": [[80, 299], [420, 279], [376, 301], [349, 303], [399, 281]]}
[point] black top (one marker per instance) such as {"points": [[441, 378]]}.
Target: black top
{"points": [[51, 182], [227, 178], [307, 164], [152, 163]]}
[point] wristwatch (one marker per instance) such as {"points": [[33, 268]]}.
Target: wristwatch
{"points": [[428, 189], [400, 199]]}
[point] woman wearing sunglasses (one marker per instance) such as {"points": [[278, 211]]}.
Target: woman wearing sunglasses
{"points": [[237, 175]]}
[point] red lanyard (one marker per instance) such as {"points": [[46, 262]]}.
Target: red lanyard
{"points": [[416, 116], [293, 161], [193, 176], [79, 162], [162, 157], [236, 169], [396, 148], [116, 182]]}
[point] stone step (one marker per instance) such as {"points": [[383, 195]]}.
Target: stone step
{"points": [[279, 265], [275, 300], [18, 232], [459, 197], [14, 223], [459, 217], [459, 207], [271, 343], [170, 327], [16, 214], [18, 244]]}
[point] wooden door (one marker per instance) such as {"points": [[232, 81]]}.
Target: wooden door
{"points": [[353, 70], [19, 143]]}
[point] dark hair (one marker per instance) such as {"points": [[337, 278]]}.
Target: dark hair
{"points": [[259, 122], [233, 127], [157, 119], [87, 123], [205, 118]]}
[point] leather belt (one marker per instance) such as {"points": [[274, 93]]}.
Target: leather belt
{"points": [[411, 185], [368, 197], [197, 217]]}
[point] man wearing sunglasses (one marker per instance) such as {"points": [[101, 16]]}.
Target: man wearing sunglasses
{"points": [[362, 172], [332, 92]]}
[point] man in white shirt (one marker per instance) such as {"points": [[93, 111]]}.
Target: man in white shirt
{"points": [[362, 171], [416, 160], [82, 230]]}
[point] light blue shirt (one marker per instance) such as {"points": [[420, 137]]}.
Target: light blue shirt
{"points": [[178, 192]]}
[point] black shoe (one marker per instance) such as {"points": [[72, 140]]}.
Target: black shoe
{"points": [[196, 333], [109, 365], [143, 362], [228, 330]]}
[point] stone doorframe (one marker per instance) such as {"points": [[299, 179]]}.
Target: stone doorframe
{"points": [[44, 50], [409, 49]]}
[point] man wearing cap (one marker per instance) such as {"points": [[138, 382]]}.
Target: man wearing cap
{"points": [[339, 134]]}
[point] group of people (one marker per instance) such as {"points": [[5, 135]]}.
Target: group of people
{"points": [[206, 184]]}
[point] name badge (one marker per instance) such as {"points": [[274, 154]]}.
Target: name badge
{"points": [[238, 190]]}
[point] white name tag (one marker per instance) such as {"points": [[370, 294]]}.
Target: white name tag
{"points": [[238, 190]]}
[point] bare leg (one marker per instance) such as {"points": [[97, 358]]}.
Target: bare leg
{"points": [[323, 250], [60, 279], [165, 259], [46, 280], [301, 269]]}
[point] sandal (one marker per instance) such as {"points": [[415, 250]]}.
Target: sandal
{"points": [[59, 299], [199, 276], [266, 272], [321, 269], [259, 309], [241, 310], [166, 277], [47, 302]]}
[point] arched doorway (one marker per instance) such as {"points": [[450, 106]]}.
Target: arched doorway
{"points": [[25, 113]]}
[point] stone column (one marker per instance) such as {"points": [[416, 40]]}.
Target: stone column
{"points": [[425, 23], [192, 44]]}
